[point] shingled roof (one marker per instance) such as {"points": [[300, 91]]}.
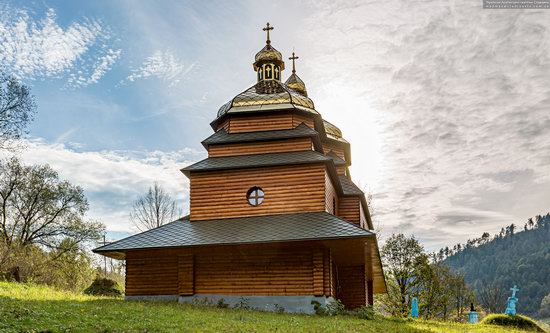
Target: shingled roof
{"points": [[244, 230], [349, 187], [300, 131], [257, 160]]}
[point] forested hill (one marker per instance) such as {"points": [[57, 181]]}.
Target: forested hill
{"points": [[516, 256]]}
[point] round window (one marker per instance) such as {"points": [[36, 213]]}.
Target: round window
{"points": [[255, 196]]}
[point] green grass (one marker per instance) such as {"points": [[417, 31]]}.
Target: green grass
{"points": [[31, 308], [518, 321]]}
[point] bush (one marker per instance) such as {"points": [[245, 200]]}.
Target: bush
{"points": [[103, 287], [517, 321]]}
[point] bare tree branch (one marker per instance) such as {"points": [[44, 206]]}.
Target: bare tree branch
{"points": [[154, 209]]}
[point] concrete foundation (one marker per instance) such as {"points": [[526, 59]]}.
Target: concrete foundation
{"points": [[155, 298], [292, 304]]}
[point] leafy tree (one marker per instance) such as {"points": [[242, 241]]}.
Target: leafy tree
{"points": [[513, 258], [37, 208], [544, 311], [154, 209], [17, 108], [404, 259]]}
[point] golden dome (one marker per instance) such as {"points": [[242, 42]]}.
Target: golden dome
{"points": [[332, 131], [295, 83], [268, 54], [267, 95]]}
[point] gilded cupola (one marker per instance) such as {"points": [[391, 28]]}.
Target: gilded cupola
{"points": [[268, 62], [294, 82]]}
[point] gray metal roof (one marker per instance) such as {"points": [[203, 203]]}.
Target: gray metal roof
{"points": [[222, 136], [257, 160], [244, 230], [349, 187]]}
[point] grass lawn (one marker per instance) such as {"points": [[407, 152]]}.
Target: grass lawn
{"points": [[30, 308]]}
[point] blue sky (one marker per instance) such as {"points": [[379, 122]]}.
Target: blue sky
{"points": [[445, 104]]}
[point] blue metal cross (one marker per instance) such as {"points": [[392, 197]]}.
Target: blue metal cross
{"points": [[514, 290]]}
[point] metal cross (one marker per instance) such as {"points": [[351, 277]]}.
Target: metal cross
{"points": [[267, 28], [514, 291], [293, 64]]}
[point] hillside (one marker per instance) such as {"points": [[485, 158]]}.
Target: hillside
{"points": [[493, 265], [30, 308]]}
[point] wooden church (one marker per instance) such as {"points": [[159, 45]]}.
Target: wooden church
{"points": [[275, 219]]}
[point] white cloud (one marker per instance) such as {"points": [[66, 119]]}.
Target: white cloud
{"points": [[446, 106], [112, 180], [163, 65], [33, 49], [102, 66]]}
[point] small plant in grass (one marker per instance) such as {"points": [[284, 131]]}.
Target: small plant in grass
{"points": [[103, 287], [517, 321], [278, 308], [243, 304], [330, 309], [202, 301], [221, 304], [364, 312]]}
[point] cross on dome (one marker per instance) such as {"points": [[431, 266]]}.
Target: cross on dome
{"points": [[267, 28], [293, 63]]}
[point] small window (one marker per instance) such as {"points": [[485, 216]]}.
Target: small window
{"points": [[260, 74], [268, 72], [255, 196], [277, 72]]}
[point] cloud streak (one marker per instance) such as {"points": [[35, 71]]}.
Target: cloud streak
{"points": [[33, 49], [163, 65]]}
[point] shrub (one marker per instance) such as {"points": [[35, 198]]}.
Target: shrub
{"points": [[517, 321], [364, 312], [103, 287]]}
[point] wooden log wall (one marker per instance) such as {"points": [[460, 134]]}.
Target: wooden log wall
{"points": [[339, 151], [288, 189], [265, 122], [297, 119], [186, 274], [331, 197], [260, 123], [152, 276], [352, 283], [288, 271], [248, 148], [362, 218], [349, 209]]}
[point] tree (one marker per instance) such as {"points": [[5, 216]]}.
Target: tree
{"points": [[154, 209], [404, 259], [17, 108], [37, 208], [544, 311]]}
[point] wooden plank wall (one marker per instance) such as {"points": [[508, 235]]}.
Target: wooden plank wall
{"points": [[297, 119], [186, 273], [327, 147], [287, 271], [248, 148], [362, 217], [224, 125], [152, 276], [352, 283], [260, 123], [274, 272], [331, 198], [288, 189], [349, 209]]}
